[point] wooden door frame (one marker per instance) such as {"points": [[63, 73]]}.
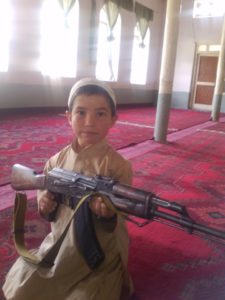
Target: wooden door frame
{"points": [[197, 56]]}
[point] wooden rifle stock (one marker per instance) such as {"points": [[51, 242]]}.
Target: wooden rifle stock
{"points": [[24, 178]]}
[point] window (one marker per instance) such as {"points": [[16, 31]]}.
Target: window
{"points": [[208, 8], [108, 49], [140, 54], [58, 53], [5, 33], [208, 48], [202, 48], [215, 48]]}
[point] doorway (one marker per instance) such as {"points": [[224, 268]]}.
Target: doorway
{"points": [[204, 77]]}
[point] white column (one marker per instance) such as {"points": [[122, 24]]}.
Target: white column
{"points": [[219, 87], [167, 69]]}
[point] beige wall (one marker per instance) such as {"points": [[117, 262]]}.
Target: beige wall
{"points": [[192, 32], [24, 86]]}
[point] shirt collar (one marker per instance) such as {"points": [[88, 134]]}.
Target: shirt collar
{"points": [[94, 147]]}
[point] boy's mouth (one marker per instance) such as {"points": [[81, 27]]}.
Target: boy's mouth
{"points": [[88, 133]]}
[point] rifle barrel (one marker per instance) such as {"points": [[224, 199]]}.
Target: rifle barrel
{"points": [[190, 225]]}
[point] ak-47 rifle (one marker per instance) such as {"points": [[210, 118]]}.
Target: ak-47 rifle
{"points": [[132, 201]]}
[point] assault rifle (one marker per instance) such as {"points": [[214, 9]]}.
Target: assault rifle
{"points": [[132, 201]]}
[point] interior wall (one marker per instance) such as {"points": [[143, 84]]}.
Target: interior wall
{"points": [[191, 32], [24, 86]]}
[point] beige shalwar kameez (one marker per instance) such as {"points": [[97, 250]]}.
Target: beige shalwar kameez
{"points": [[70, 278]]}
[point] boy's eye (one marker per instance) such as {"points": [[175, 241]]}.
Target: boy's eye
{"points": [[101, 113], [80, 112]]}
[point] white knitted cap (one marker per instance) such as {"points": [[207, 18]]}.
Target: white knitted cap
{"points": [[90, 81]]}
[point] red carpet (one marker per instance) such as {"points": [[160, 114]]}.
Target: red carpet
{"points": [[32, 139], [166, 263], [190, 170], [176, 265], [36, 229], [189, 154], [178, 119], [218, 127]]}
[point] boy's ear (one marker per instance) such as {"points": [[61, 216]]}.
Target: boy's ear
{"points": [[68, 115]]}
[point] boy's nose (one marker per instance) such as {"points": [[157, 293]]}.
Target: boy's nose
{"points": [[90, 119]]}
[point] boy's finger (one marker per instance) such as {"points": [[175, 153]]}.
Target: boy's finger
{"points": [[50, 195], [106, 212]]}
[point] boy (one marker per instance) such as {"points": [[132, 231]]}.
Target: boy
{"points": [[91, 113]]}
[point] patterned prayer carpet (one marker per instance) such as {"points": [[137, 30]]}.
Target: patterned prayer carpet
{"points": [[171, 264], [32, 139], [190, 170], [165, 263], [35, 228], [178, 119]]}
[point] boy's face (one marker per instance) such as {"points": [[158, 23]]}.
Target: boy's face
{"points": [[90, 119]]}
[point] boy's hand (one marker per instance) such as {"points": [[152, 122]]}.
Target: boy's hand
{"points": [[99, 208], [46, 202]]}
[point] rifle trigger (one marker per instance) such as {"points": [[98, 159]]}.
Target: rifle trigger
{"points": [[137, 223]]}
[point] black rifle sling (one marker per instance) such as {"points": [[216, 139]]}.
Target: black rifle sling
{"points": [[85, 232], [87, 240]]}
